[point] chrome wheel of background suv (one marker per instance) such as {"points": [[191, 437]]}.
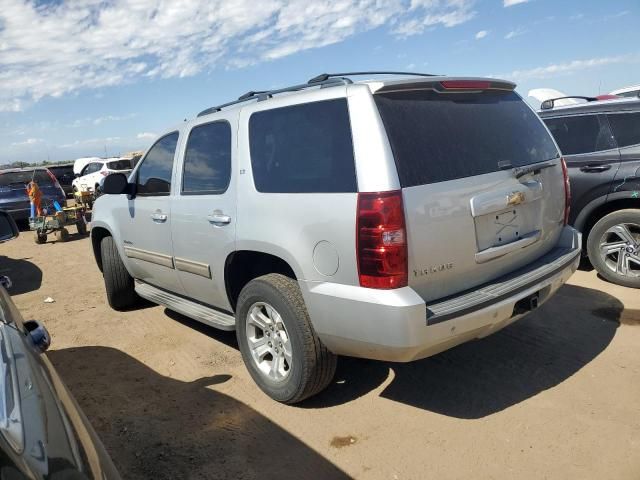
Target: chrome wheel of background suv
{"points": [[269, 341], [620, 249]]}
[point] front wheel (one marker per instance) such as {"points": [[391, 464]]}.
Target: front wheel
{"points": [[39, 237], [279, 347], [613, 247], [121, 293]]}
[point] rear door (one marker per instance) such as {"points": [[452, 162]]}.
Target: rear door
{"points": [[145, 224], [591, 153], [469, 217], [626, 129], [204, 211]]}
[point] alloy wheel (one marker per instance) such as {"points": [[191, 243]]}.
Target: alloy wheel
{"points": [[620, 249], [269, 342]]}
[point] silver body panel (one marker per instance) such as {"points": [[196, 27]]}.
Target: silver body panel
{"points": [[449, 235]]}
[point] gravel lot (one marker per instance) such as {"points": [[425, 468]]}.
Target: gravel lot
{"points": [[556, 395]]}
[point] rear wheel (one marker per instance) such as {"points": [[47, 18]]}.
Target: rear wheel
{"points": [[62, 235], [279, 347], [81, 226], [614, 247], [118, 283]]}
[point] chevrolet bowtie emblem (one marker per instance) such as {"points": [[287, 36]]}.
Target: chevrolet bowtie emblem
{"points": [[515, 198]]}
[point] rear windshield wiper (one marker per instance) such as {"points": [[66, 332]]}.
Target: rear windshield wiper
{"points": [[522, 171]]}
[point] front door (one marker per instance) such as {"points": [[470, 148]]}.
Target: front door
{"points": [[146, 223], [203, 211]]}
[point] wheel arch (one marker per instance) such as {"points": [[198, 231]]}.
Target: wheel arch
{"points": [[242, 266], [97, 234], [601, 207]]}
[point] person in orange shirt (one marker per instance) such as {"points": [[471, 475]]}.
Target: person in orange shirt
{"points": [[35, 196]]}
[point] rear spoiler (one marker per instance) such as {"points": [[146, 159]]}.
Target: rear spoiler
{"points": [[449, 85]]}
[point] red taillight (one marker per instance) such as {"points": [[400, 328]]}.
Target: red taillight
{"points": [[381, 240], [567, 191], [465, 84], [104, 173]]}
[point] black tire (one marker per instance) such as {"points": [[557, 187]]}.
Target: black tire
{"points": [[119, 285], [82, 227], [313, 366], [600, 262], [62, 235], [39, 238]]}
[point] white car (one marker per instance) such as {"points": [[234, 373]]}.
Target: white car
{"points": [[632, 91], [90, 177]]}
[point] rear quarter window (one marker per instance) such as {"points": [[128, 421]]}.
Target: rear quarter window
{"points": [[303, 148], [437, 137], [626, 128]]}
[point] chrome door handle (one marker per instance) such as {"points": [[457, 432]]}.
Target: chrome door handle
{"points": [[159, 217], [595, 168], [219, 219]]}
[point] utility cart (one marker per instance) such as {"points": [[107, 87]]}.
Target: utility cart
{"points": [[84, 197], [57, 222]]}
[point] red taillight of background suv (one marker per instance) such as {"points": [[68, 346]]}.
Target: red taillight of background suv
{"points": [[567, 191], [381, 240]]}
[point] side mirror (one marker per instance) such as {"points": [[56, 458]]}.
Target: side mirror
{"points": [[116, 184], [38, 334], [76, 175], [8, 228]]}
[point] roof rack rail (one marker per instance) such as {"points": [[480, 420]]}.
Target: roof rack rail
{"points": [[323, 77], [550, 103], [265, 94]]}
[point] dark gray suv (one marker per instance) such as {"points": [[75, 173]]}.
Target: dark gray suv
{"points": [[600, 141]]}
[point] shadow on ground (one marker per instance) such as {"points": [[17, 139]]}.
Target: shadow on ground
{"points": [[489, 375], [158, 427], [25, 275]]}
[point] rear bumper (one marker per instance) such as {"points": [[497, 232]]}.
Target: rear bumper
{"points": [[396, 325]]}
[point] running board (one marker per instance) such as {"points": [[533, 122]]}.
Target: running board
{"points": [[201, 313]]}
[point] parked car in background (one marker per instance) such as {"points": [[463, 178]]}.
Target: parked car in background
{"points": [[80, 163], [600, 141], [389, 219], [64, 174], [93, 172], [13, 190], [43, 433], [631, 91]]}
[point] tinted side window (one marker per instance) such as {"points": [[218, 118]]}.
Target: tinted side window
{"points": [[207, 160], [154, 174], [303, 148], [581, 134], [626, 128], [91, 168]]}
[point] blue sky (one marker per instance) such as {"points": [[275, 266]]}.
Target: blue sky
{"points": [[88, 77]]}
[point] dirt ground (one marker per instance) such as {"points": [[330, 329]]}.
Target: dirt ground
{"points": [[556, 395]]}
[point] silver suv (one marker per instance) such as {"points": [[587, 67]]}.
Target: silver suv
{"points": [[388, 219]]}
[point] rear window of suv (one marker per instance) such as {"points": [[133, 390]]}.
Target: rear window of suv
{"points": [[19, 180], [437, 137], [119, 165], [303, 148]]}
